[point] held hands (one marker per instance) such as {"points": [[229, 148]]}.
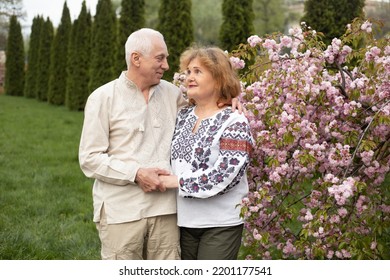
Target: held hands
{"points": [[149, 179], [169, 181]]}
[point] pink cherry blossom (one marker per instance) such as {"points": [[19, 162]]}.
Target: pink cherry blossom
{"points": [[254, 40], [237, 63], [320, 118], [366, 26]]}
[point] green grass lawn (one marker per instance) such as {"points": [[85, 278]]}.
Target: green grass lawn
{"points": [[45, 200]]}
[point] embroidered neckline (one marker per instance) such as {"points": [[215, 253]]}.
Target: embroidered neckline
{"points": [[131, 85], [212, 116]]}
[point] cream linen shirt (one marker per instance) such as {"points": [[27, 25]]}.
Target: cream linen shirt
{"points": [[122, 133]]}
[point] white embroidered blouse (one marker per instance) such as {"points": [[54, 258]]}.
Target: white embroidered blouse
{"points": [[211, 166]]}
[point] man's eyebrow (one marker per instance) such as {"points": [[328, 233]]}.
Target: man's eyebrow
{"points": [[161, 55]]}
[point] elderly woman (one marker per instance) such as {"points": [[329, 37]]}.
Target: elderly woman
{"points": [[210, 151]]}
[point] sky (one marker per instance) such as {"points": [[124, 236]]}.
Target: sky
{"points": [[53, 9]]}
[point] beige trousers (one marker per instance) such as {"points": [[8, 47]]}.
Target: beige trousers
{"points": [[154, 238]]}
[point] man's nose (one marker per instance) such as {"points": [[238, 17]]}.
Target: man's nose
{"points": [[165, 65]]}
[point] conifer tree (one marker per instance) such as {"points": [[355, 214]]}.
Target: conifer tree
{"points": [[43, 73], [331, 16], [32, 58], [14, 73], [270, 16], [8, 8], [175, 23], [132, 18], [79, 54], [59, 56], [104, 38], [164, 14], [237, 23]]}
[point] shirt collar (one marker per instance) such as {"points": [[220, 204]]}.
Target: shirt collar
{"points": [[131, 85]]}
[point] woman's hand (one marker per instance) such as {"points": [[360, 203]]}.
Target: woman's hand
{"points": [[169, 181]]}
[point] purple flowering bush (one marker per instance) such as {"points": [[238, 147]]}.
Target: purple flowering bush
{"points": [[320, 116]]}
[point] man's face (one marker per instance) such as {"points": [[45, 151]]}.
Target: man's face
{"points": [[154, 65]]}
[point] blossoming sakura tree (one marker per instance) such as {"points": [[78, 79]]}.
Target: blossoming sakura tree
{"points": [[320, 116]]}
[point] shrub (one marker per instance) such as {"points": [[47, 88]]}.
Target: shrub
{"points": [[320, 117]]}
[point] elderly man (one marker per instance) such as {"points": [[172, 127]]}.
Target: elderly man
{"points": [[125, 145]]}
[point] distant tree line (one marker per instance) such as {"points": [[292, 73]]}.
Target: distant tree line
{"points": [[64, 65]]}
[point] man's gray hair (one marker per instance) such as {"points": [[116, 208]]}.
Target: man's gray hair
{"points": [[141, 41]]}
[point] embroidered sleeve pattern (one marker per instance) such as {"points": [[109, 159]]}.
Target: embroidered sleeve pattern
{"points": [[208, 179], [236, 142], [236, 145]]}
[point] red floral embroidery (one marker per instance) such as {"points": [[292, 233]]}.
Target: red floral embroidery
{"points": [[235, 145]]}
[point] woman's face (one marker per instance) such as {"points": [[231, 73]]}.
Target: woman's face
{"points": [[201, 85]]}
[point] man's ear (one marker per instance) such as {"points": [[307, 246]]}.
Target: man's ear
{"points": [[135, 59]]}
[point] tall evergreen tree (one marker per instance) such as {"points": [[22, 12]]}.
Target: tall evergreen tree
{"points": [[45, 43], [237, 23], [14, 65], [59, 56], [164, 14], [270, 16], [32, 58], [207, 14], [151, 10], [8, 8], [132, 18], [79, 54], [104, 44], [175, 23], [331, 16]]}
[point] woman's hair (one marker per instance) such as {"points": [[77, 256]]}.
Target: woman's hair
{"points": [[141, 41], [218, 63]]}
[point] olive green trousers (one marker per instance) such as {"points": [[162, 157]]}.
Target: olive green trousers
{"points": [[217, 243]]}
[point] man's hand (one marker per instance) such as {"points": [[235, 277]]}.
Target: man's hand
{"points": [[236, 105], [148, 180]]}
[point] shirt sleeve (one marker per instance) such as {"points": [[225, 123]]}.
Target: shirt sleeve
{"points": [[235, 146], [94, 160]]}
